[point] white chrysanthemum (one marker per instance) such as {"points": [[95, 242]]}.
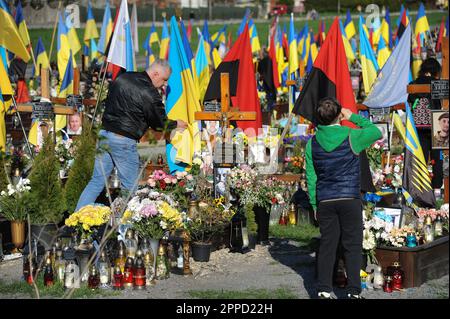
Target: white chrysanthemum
{"points": [[163, 224], [368, 240]]}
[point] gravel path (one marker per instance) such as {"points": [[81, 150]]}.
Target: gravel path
{"points": [[284, 264]]}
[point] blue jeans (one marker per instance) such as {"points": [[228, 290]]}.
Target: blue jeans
{"points": [[121, 153]]}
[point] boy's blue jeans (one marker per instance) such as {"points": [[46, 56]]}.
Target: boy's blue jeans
{"points": [[121, 153]]}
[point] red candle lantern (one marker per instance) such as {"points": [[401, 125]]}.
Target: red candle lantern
{"points": [[139, 272], [128, 273], [387, 287], [397, 275], [118, 279]]}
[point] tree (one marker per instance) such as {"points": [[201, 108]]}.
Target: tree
{"points": [[47, 196]]}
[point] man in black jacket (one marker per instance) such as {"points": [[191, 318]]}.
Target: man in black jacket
{"points": [[133, 105]]}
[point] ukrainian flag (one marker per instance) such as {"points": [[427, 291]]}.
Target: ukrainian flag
{"points": [[5, 89], [312, 55], [254, 39], [243, 22], [219, 36], [293, 56], [41, 58], [164, 46], [21, 24], [369, 63], [65, 89], [181, 104], [72, 36], [422, 26], [349, 26], [208, 45], [10, 37], [106, 31], [189, 55], [202, 68], [416, 179], [386, 29], [90, 32], [347, 46], [62, 48], [150, 57], [383, 53]]}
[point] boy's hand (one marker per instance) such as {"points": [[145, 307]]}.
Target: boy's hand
{"points": [[346, 113]]}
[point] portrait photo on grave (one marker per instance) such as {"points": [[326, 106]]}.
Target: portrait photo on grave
{"points": [[220, 180], [384, 128], [379, 115], [440, 129]]}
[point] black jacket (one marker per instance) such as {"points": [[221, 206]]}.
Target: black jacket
{"points": [[133, 105]]}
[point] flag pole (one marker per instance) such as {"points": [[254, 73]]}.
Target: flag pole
{"points": [[390, 140], [54, 32], [99, 92]]}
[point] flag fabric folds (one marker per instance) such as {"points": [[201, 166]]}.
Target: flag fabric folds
{"points": [[41, 58], [390, 86], [106, 31], [349, 26], [5, 89], [348, 48], [256, 46], [181, 104], [9, 34], [121, 50], [239, 64], [90, 31], [21, 24], [416, 178], [293, 56], [134, 27], [369, 64], [63, 50], [422, 26], [386, 29], [202, 69], [329, 77], [164, 45], [383, 52]]}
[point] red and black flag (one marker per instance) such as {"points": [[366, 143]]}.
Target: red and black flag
{"points": [[329, 77], [402, 27], [239, 64]]}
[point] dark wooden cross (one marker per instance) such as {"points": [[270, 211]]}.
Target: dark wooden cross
{"points": [[226, 114]]}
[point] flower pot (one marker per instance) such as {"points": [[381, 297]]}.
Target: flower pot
{"points": [[46, 234], [201, 251], [17, 233], [262, 218]]}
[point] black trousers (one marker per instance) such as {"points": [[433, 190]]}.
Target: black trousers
{"points": [[435, 155], [340, 219]]}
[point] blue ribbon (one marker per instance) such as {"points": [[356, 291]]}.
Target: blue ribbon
{"points": [[381, 214], [372, 197]]}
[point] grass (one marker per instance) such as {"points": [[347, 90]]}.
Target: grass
{"points": [[302, 232], [434, 19], [280, 293], [55, 291]]}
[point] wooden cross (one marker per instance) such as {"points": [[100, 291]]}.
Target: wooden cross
{"points": [[226, 115]]}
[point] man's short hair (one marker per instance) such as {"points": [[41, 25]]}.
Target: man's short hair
{"points": [[328, 110], [161, 63], [443, 116], [430, 65]]}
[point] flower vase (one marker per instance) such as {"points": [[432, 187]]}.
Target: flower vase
{"points": [[154, 245], [17, 234]]}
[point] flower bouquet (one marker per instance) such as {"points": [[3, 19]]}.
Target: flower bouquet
{"points": [[65, 152], [152, 214], [88, 219], [15, 202]]}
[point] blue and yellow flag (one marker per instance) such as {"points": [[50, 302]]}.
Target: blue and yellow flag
{"points": [[5, 89], [416, 178], [254, 38], [41, 58], [369, 64], [181, 104], [21, 24], [349, 53], [219, 36], [106, 31], [72, 36], [349, 26], [63, 49], [10, 37], [422, 26], [293, 56], [90, 32], [243, 22], [202, 68], [386, 29], [65, 89], [164, 45], [383, 53]]}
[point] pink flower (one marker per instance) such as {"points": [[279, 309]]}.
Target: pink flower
{"points": [[151, 182], [167, 180], [149, 211]]}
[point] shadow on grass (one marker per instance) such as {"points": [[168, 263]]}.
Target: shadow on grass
{"points": [[280, 293], [292, 246]]}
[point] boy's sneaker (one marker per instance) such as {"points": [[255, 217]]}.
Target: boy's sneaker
{"points": [[325, 295], [351, 296]]}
